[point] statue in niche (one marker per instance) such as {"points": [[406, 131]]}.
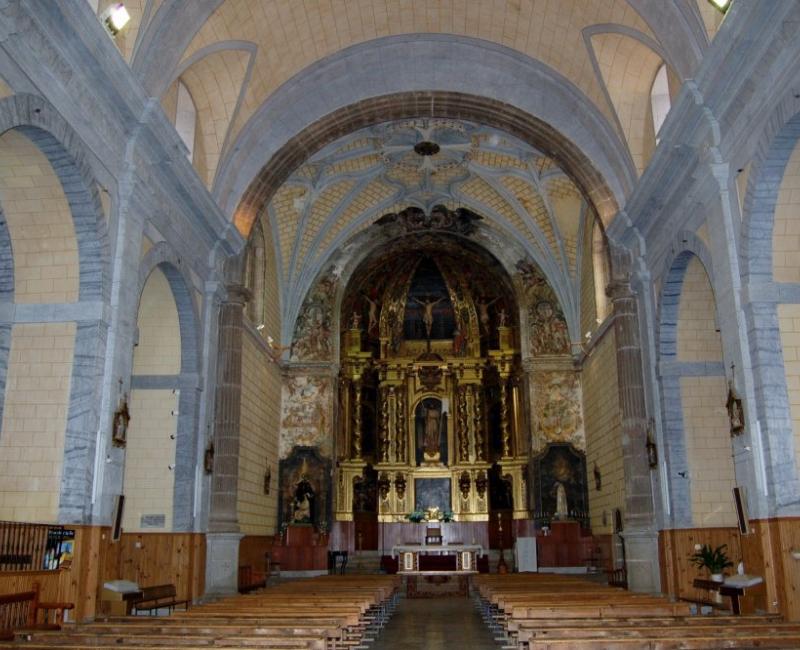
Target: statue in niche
{"points": [[303, 502], [432, 425], [427, 314], [562, 509], [355, 323], [459, 342], [430, 422]]}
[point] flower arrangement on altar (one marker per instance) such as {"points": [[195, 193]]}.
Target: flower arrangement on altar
{"points": [[431, 514], [715, 560]]}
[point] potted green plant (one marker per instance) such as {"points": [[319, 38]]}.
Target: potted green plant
{"points": [[715, 560]]}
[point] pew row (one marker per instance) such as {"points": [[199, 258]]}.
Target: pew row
{"points": [[325, 613], [550, 612]]}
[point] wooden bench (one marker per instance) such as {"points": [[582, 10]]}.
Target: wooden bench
{"points": [[535, 612], [22, 612], [154, 598], [250, 580], [325, 613]]}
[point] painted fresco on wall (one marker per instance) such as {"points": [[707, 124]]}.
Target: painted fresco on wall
{"points": [[557, 412], [305, 491], [306, 413], [547, 325], [313, 340]]}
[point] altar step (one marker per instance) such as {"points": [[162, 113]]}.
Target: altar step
{"points": [[370, 561], [364, 562]]}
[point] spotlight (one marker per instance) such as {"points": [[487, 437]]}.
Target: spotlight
{"points": [[115, 17], [721, 5]]}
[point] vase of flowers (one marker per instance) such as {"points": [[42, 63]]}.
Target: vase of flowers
{"points": [[715, 560]]}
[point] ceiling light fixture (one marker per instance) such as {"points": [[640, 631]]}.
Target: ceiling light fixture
{"points": [[721, 5], [115, 17]]}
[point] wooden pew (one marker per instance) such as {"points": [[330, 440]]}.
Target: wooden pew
{"points": [[25, 611], [548, 612], [158, 597], [324, 613]]}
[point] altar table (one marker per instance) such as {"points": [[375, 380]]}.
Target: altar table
{"points": [[466, 557]]}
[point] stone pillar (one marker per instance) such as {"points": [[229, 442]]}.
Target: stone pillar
{"points": [[222, 541], [640, 534]]}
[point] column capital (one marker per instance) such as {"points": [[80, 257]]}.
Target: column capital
{"points": [[237, 293], [620, 289]]}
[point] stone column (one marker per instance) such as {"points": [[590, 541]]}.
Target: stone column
{"points": [[222, 554], [640, 534]]}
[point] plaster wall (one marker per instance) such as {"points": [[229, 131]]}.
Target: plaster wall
{"points": [[34, 420], [39, 222], [603, 437]]}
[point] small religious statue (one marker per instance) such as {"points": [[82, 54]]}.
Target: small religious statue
{"points": [[483, 313], [502, 318], [303, 502], [459, 342], [372, 324], [356, 321], [431, 441], [427, 314], [562, 510]]}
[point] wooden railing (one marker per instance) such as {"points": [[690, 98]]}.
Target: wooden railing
{"points": [[34, 547]]}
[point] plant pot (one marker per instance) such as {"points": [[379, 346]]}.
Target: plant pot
{"points": [[716, 596]]}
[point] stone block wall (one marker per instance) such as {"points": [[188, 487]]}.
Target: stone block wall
{"points": [[34, 420], [149, 481], [708, 448], [39, 222], [786, 229], [789, 323], [258, 437], [698, 331], [603, 434]]}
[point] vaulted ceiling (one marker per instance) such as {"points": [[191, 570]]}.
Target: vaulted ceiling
{"points": [[291, 130]]}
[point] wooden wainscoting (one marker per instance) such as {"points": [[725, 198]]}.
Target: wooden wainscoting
{"points": [[159, 558], [677, 573], [76, 583]]}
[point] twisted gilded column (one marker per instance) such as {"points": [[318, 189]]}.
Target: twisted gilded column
{"points": [[357, 449]]}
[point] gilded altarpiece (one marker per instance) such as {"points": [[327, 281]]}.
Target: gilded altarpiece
{"points": [[433, 342]]}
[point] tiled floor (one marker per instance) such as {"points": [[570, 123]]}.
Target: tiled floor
{"points": [[434, 624]]}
